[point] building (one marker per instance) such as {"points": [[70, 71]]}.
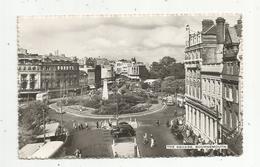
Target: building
{"points": [[91, 78], [213, 87], [83, 80], [203, 67], [56, 74], [131, 69], [29, 74], [231, 79]]}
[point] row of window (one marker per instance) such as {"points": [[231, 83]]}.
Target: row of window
{"points": [[193, 91], [196, 54], [211, 86], [47, 68], [230, 119], [211, 102], [231, 93], [28, 68], [231, 68], [202, 122]]}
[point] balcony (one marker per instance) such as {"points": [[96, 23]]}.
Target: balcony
{"points": [[216, 68]]}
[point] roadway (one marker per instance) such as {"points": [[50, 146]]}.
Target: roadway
{"points": [[96, 143]]}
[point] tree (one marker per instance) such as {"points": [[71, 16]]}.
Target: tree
{"points": [[167, 60], [30, 120], [172, 85], [167, 66]]}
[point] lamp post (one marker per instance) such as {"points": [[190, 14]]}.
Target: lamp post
{"points": [[43, 113]]}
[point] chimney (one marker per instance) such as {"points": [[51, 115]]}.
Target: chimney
{"points": [[220, 30], [238, 27], [206, 24]]}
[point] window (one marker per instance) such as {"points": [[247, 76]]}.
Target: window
{"points": [[230, 120], [231, 68], [230, 92], [236, 95], [226, 91]]}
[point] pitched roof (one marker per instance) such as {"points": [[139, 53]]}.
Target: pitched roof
{"points": [[233, 35], [210, 31]]}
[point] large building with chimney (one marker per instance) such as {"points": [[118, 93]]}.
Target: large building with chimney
{"points": [[212, 80], [231, 81]]}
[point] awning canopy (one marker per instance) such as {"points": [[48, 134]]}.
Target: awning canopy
{"points": [[47, 150], [50, 130], [29, 149]]}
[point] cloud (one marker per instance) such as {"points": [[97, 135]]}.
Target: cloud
{"points": [[148, 38]]}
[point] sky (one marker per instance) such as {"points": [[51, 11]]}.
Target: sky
{"points": [[147, 38]]}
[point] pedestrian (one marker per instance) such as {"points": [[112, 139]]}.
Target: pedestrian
{"points": [[101, 124], [158, 122], [167, 123], [79, 127], [171, 123], [77, 153], [97, 124], [152, 142], [74, 126], [145, 138], [86, 125]]}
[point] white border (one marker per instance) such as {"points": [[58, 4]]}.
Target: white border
{"points": [[8, 120]]}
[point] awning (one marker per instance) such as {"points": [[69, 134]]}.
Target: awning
{"points": [[29, 149], [50, 130], [47, 150]]}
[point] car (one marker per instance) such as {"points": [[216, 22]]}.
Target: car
{"points": [[123, 123], [124, 130]]}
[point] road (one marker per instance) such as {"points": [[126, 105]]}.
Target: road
{"points": [[96, 143]]}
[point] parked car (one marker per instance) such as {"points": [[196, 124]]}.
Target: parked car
{"points": [[122, 130]]}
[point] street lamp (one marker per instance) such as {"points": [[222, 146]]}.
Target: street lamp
{"points": [[43, 113]]}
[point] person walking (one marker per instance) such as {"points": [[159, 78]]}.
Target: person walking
{"points": [[97, 124], [152, 142], [79, 127], [86, 125], [145, 139], [74, 126], [158, 122]]}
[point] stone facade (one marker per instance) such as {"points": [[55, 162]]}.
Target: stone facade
{"points": [[38, 73]]}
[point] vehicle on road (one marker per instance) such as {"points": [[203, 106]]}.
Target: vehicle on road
{"points": [[122, 130], [169, 101], [43, 97]]}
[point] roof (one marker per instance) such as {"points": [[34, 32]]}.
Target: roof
{"points": [[233, 35], [50, 130], [47, 150], [29, 149], [211, 31], [151, 80], [58, 58], [29, 56]]}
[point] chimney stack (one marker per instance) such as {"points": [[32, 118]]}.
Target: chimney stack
{"points": [[238, 27], [206, 24], [220, 30]]}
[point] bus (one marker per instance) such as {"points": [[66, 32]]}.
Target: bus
{"points": [[43, 97], [169, 101]]}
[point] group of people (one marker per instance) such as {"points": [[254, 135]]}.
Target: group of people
{"points": [[79, 126], [103, 124], [77, 153], [146, 140]]}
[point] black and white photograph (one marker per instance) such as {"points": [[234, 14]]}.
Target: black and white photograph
{"points": [[130, 86]]}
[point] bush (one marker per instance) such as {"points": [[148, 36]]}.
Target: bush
{"points": [[153, 101]]}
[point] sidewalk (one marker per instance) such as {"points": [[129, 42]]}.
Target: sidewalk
{"points": [[88, 113]]}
